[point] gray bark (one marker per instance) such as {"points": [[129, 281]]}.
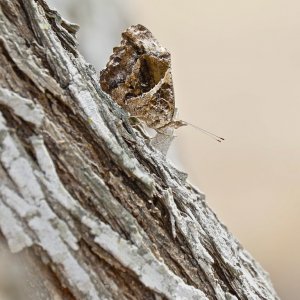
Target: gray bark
{"points": [[88, 208]]}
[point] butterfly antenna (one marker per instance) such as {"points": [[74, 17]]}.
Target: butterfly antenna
{"points": [[210, 134]]}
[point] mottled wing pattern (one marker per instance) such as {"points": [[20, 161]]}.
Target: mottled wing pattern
{"points": [[138, 77]]}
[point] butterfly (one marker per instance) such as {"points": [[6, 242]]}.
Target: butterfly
{"points": [[138, 77]]}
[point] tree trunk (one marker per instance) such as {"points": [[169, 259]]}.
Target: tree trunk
{"points": [[88, 208]]}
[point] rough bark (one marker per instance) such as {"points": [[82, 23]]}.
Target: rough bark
{"points": [[88, 208]]}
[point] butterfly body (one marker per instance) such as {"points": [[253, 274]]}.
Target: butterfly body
{"points": [[138, 77]]}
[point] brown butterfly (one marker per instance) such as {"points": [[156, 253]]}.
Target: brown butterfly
{"points": [[138, 77]]}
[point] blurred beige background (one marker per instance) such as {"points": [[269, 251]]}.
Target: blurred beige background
{"points": [[236, 68]]}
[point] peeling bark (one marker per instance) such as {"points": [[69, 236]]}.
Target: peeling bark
{"points": [[88, 208]]}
